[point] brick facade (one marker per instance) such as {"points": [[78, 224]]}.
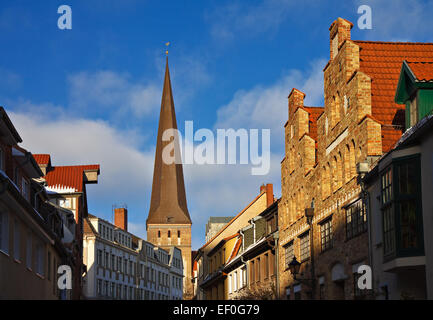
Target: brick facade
{"points": [[323, 146]]}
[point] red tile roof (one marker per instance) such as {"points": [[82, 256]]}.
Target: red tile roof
{"points": [[235, 249], [314, 114], [382, 61], [423, 71], [68, 177], [42, 159]]}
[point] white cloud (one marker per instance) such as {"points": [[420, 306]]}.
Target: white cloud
{"points": [[266, 107], [242, 17], [114, 91], [126, 171]]}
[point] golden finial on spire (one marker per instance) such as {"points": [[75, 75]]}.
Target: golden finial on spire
{"points": [[166, 51]]}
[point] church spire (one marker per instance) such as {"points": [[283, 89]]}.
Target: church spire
{"points": [[168, 200]]}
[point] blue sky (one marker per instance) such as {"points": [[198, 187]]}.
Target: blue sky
{"points": [[92, 94]]}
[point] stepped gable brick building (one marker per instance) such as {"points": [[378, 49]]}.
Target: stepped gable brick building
{"points": [[66, 187], [168, 223], [359, 122]]}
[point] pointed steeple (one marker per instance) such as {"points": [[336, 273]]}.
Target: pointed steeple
{"points": [[168, 201]]}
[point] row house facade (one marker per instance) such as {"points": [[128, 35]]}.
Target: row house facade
{"points": [[399, 190], [124, 267], [211, 258], [66, 188], [35, 234], [252, 268], [323, 223]]}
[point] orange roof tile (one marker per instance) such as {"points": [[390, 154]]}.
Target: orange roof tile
{"points": [[382, 62], [314, 114], [68, 177], [88, 228], [423, 71], [235, 250], [42, 158]]}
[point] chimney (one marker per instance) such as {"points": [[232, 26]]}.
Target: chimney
{"points": [[339, 31], [269, 190], [121, 218], [296, 99]]}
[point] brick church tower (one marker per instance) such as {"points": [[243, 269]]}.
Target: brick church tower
{"points": [[169, 223]]}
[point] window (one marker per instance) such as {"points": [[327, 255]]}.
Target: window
{"points": [[66, 203], [25, 189], [40, 258], [288, 293], [99, 287], [4, 232], [297, 291], [159, 234], [17, 240], [244, 277], [266, 266], [178, 233], [2, 160], [326, 234], [358, 293], [401, 208], [322, 288], [49, 265], [252, 272], [169, 234], [29, 251], [413, 112], [388, 215], [305, 246], [289, 253], [356, 220], [258, 270]]}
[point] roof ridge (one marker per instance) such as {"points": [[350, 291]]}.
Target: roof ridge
{"points": [[429, 62], [393, 42]]}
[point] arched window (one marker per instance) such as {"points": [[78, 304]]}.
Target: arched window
{"points": [[169, 233], [178, 233], [352, 159], [334, 177], [347, 164], [339, 170], [326, 182], [335, 109]]}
